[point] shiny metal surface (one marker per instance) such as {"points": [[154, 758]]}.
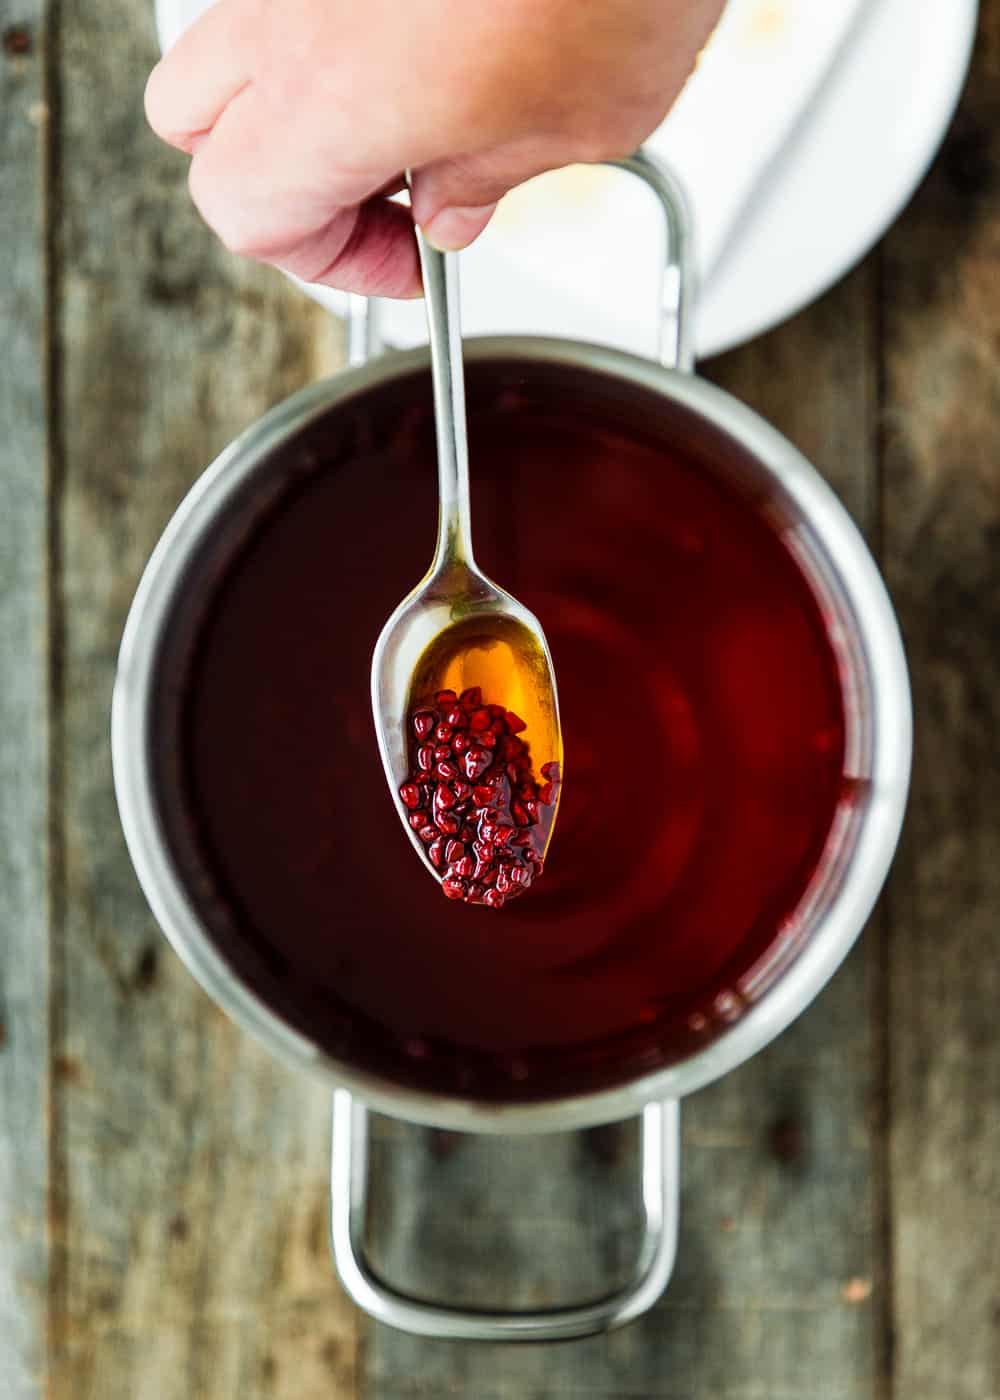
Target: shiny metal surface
{"points": [[866, 614], [834, 923], [660, 1160], [416, 621], [454, 586]]}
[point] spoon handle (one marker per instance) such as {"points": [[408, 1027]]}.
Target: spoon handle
{"points": [[444, 325]]}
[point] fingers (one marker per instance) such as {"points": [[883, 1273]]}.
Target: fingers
{"points": [[192, 85], [259, 179], [368, 249], [269, 145], [264, 192]]}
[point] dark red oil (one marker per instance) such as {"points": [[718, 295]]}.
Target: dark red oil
{"points": [[704, 747]]}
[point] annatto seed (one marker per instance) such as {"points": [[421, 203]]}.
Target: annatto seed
{"points": [[410, 793], [476, 762], [473, 798], [423, 723]]}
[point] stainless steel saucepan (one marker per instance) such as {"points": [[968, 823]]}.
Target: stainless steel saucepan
{"points": [[208, 528]]}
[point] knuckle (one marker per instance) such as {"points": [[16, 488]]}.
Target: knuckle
{"points": [[224, 216], [160, 107]]}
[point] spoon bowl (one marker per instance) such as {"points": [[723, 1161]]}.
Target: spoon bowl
{"points": [[449, 621], [457, 629]]}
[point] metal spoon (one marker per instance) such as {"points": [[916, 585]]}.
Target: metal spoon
{"points": [[455, 590]]}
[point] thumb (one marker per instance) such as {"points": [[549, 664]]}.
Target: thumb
{"points": [[454, 200], [455, 226]]}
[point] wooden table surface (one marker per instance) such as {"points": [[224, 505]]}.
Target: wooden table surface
{"points": [[163, 1183]]}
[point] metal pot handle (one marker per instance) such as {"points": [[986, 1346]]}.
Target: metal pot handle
{"points": [[660, 1154], [660, 1125], [676, 348]]}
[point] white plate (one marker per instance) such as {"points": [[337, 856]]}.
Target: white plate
{"points": [[576, 252], [850, 169]]}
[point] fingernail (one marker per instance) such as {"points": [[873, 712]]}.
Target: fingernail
{"points": [[455, 228]]}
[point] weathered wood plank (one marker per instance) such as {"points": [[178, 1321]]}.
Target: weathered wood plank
{"points": [[190, 1170], [773, 1297], [24, 973], [941, 301]]}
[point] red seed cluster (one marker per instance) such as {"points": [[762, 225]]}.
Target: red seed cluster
{"points": [[473, 800]]}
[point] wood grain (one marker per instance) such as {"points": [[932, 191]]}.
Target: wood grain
{"points": [[190, 1256], [841, 1192], [774, 1293], [941, 510], [24, 966]]}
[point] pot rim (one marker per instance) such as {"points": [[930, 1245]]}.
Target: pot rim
{"points": [[837, 928]]}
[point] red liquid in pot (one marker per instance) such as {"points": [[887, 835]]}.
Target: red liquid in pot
{"points": [[704, 745]]}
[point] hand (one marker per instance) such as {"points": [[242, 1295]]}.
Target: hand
{"points": [[301, 115]]}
